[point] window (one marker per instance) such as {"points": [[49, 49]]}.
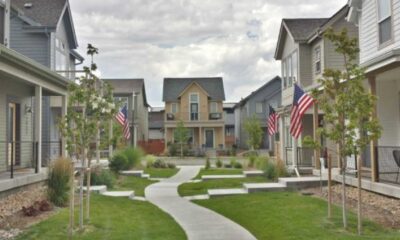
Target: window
{"points": [[174, 108], [194, 106], [213, 107], [194, 98], [384, 20], [317, 60], [61, 58], [294, 67], [259, 107], [229, 131], [284, 75], [290, 70]]}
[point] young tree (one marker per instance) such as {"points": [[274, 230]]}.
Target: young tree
{"points": [[348, 108], [86, 109], [181, 135], [253, 128]]}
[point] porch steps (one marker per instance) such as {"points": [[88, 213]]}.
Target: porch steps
{"points": [[213, 177], [136, 173], [264, 187], [197, 197], [226, 192], [96, 189], [302, 182], [129, 194], [253, 173]]}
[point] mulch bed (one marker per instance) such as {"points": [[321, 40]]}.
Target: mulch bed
{"points": [[378, 208]]}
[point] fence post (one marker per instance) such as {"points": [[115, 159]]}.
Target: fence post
{"points": [[12, 160], [36, 157]]}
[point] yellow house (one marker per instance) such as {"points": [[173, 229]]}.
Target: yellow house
{"points": [[198, 103]]}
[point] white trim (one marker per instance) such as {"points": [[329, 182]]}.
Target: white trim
{"points": [[205, 138]]}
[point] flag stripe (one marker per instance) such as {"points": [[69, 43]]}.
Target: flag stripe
{"points": [[301, 102], [272, 121], [122, 119]]}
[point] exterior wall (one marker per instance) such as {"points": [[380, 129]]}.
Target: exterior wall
{"points": [[33, 45], [62, 35], [141, 117], [238, 124], [369, 41], [289, 47], [305, 65], [1, 25], [314, 76], [21, 94]]}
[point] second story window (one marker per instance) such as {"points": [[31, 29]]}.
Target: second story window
{"points": [[284, 74], [213, 107], [385, 20], [289, 70], [61, 58], [317, 60], [194, 106], [259, 107], [174, 108]]}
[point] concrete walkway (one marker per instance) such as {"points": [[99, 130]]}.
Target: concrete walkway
{"points": [[198, 222]]}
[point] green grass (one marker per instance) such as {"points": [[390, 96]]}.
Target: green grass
{"points": [[111, 218], [289, 215], [137, 184], [218, 171], [189, 189], [161, 172]]}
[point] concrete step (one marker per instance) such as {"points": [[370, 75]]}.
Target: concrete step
{"points": [[197, 197], [253, 173], [211, 177], [129, 194], [96, 189], [145, 175], [264, 187], [302, 182], [225, 192], [136, 173]]}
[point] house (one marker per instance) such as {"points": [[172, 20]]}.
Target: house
{"points": [[132, 93], [156, 123], [256, 104], [43, 30], [229, 116], [198, 103], [304, 54], [379, 43]]}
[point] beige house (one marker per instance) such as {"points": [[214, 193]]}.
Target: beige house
{"points": [[198, 103]]}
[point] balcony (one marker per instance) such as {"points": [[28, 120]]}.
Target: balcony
{"points": [[194, 116]]}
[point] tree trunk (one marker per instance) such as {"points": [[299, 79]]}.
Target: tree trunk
{"points": [[344, 193], [329, 186], [82, 173], [72, 202], [359, 204], [181, 150], [88, 173]]}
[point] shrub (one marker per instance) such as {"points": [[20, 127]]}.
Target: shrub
{"points": [[119, 162], [271, 171], [133, 155], [208, 164], [233, 162], [159, 164], [30, 211], [101, 176], [43, 205], [219, 163], [261, 163], [60, 172], [238, 165], [227, 165], [150, 159], [172, 149], [281, 169], [171, 165], [252, 160]]}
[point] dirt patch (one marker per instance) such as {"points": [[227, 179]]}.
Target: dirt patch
{"points": [[378, 208]]}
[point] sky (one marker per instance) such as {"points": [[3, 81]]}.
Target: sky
{"points": [[154, 39]]}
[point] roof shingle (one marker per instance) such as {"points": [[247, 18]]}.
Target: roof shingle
{"points": [[45, 12], [301, 28]]}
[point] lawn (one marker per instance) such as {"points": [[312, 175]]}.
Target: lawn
{"points": [[137, 184], [112, 218], [218, 171], [161, 172], [189, 189], [289, 215]]}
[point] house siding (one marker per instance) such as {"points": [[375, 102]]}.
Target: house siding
{"points": [[1, 25], [305, 65], [289, 47]]}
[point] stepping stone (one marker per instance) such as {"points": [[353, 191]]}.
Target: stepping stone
{"points": [[129, 194], [145, 175], [226, 192], [194, 181], [254, 173], [96, 189], [302, 182], [211, 177], [136, 173], [197, 197], [143, 199], [264, 187]]}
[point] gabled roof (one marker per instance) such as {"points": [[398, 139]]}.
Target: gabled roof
{"points": [[127, 86], [268, 84], [173, 87]]}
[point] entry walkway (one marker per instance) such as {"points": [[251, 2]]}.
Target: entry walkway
{"points": [[198, 222]]}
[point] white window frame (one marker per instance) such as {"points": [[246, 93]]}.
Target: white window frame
{"points": [[259, 107], [381, 19], [317, 60], [198, 105]]}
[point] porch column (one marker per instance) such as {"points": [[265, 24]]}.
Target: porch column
{"points": [[374, 144], [294, 152], [223, 137], [282, 139], [38, 127], [134, 135], [110, 136], [64, 100], [316, 136], [200, 138]]}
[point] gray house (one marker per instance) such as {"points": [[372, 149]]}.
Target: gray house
{"points": [[257, 104], [132, 92], [43, 31], [229, 117], [156, 123]]}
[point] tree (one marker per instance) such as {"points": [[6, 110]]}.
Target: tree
{"points": [[348, 108], [90, 103], [253, 128], [181, 135]]}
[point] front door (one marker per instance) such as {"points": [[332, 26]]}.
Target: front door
{"points": [[209, 138], [13, 134]]}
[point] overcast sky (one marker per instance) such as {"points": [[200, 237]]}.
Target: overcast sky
{"points": [[153, 39]]}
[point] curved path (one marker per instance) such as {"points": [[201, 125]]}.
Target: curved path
{"points": [[198, 222]]}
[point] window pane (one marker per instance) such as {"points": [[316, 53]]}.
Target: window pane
{"points": [[259, 107], [193, 98], [284, 73], [289, 71], [317, 56], [385, 30], [213, 107], [384, 10], [294, 66]]}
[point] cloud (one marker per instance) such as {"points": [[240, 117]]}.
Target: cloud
{"points": [[233, 39]]}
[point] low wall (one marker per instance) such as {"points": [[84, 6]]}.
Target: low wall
{"points": [[153, 146]]}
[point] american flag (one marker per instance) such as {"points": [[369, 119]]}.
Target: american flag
{"points": [[122, 118], [301, 102], [272, 121]]}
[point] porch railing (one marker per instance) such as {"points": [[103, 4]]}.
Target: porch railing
{"points": [[304, 156], [16, 155], [388, 170]]}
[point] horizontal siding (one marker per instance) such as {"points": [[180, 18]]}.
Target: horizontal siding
{"points": [[1, 25], [32, 45], [305, 65]]}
